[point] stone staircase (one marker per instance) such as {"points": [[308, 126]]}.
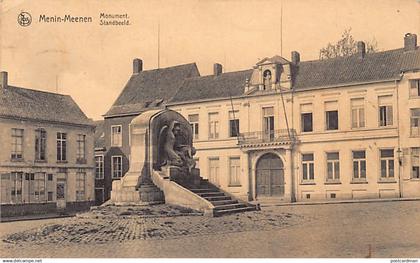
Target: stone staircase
{"points": [[223, 204]]}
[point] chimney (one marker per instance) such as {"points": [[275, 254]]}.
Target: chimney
{"points": [[137, 66], [410, 42], [361, 49], [3, 79], [295, 57], [217, 69]]}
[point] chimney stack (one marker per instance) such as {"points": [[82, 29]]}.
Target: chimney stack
{"points": [[217, 69], [3, 79], [410, 42], [137, 66], [361, 49], [295, 57]]}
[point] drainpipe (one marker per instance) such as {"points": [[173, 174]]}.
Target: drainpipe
{"points": [[400, 186]]}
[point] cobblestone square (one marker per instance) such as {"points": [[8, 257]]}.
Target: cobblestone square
{"points": [[379, 229]]}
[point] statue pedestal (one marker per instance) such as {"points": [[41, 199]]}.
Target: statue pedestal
{"points": [[182, 177]]}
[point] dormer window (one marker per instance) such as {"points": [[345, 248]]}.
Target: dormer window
{"points": [[267, 79]]}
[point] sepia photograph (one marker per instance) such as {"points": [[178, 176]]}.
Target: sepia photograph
{"points": [[198, 129]]}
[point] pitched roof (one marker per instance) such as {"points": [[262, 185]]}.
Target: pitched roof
{"points": [[275, 59], [150, 89], [99, 134], [210, 87], [379, 66], [41, 106]]}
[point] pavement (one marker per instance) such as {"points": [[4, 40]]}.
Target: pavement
{"points": [[385, 229]]}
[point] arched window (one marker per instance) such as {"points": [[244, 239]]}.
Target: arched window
{"points": [[267, 79]]}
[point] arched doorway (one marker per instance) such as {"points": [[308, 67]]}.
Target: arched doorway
{"points": [[270, 176]]}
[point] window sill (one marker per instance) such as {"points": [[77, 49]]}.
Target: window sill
{"points": [[387, 182], [414, 179], [307, 183], [99, 178], [81, 161], [358, 182], [17, 160], [41, 161], [332, 182], [62, 162], [234, 185]]}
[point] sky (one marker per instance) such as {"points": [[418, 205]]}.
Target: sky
{"points": [[92, 62]]}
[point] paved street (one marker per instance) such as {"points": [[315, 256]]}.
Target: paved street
{"points": [[385, 229]]}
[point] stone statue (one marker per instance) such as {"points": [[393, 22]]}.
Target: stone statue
{"points": [[173, 149]]}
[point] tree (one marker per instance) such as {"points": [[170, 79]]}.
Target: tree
{"points": [[346, 46]]}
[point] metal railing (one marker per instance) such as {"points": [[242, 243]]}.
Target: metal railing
{"points": [[267, 136]]}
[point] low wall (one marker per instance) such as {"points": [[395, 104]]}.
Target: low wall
{"points": [[16, 210], [178, 195]]}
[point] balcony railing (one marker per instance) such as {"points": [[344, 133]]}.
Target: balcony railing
{"points": [[267, 136]]}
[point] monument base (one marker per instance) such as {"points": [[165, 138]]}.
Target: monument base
{"points": [[146, 193]]}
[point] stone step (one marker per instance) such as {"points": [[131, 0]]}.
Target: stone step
{"points": [[202, 190], [217, 198], [224, 202], [211, 194], [229, 206], [234, 210]]}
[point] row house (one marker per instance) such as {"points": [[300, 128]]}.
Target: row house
{"points": [[285, 131], [46, 157]]}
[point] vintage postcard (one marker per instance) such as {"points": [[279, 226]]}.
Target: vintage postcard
{"points": [[210, 129]]}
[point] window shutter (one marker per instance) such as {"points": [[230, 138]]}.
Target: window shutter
{"points": [[389, 117], [331, 105]]}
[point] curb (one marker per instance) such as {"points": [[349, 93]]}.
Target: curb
{"points": [[14, 219], [341, 202]]}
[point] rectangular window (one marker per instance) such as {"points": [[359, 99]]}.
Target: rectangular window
{"points": [[213, 125], [234, 171], [385, 111], [415, 122], [308, 173], [116, 135], [331, 115], [99, 167], [333, 166], [415, 88], [17, 144], [116, 165], [40, 144], [233, 123], [387, 163], [268, 122], [61, 146], [37, 185], [193, 119], [197, 163], [16, 187], [415, 162], [81, 148], [359, 165], [306, 117], [357, 113], [80, 186], [214, 171]]}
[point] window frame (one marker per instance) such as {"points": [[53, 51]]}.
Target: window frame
{"points": [[213, 126], [17, 140], [40, 145], [327, 121], [235, 128], [210, 160], [195, 125], [80, 192], [112, 166], [359, 162], [334, 162], [387, 160], [116, 135], [414, 85], [308, 164], [414, 130], [237, 177], [61, 147], [101, 167], [360, 111], [81, 148], [412, 161]]}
